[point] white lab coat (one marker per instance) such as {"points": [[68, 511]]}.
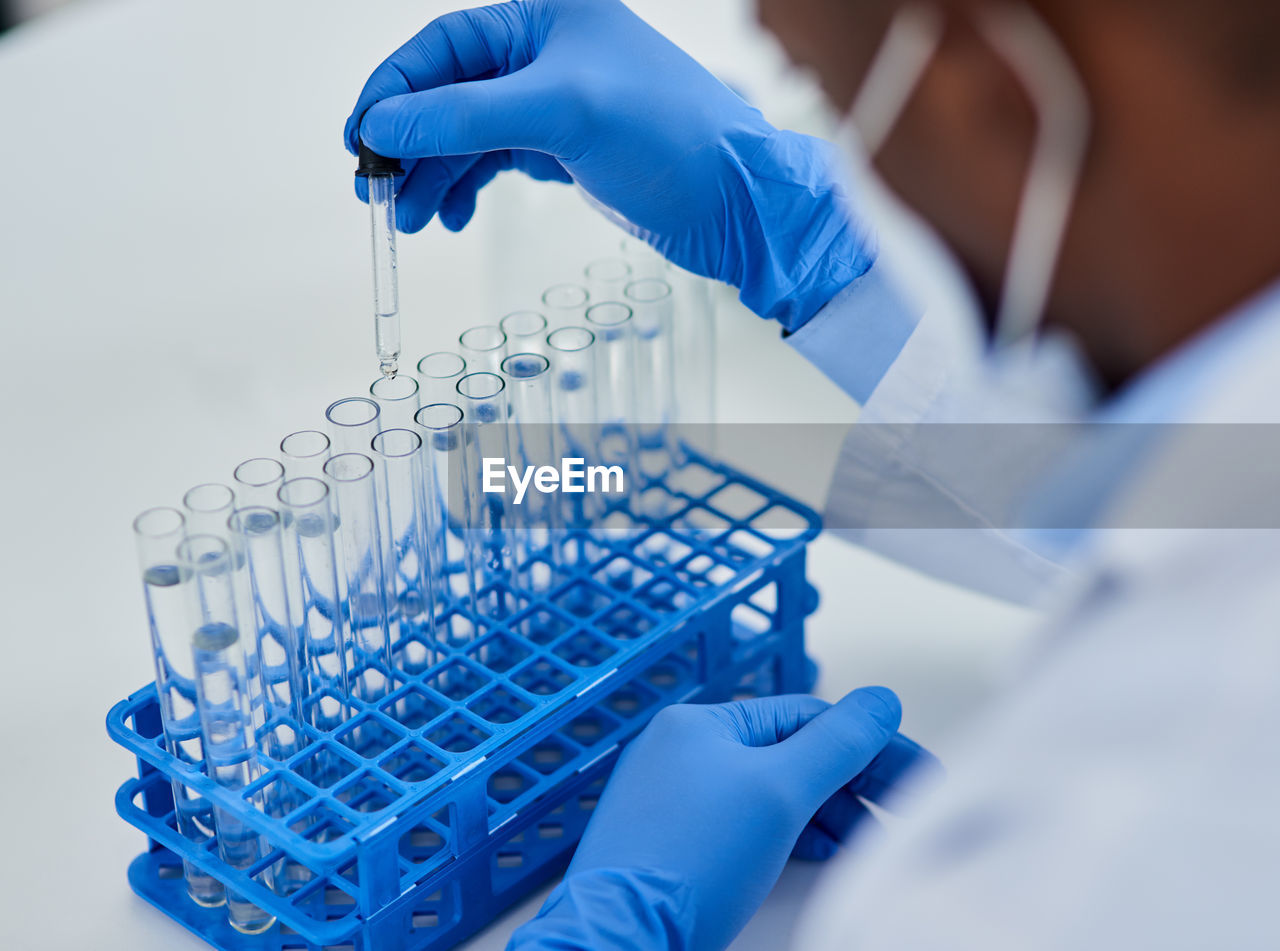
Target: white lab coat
{"points": [[1125, 791]]}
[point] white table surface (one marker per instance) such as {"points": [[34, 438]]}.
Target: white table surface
{"points": [[172, 303]]}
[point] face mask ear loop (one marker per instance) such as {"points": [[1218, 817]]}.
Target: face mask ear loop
{"points": [[905, 53], [1056, 89]]}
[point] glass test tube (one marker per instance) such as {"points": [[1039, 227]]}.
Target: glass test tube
{"points": [[158, 533], [526, 332], [257, 482], [310, 524], [397, 399], [264, 611], [441, 425], [361, 575], [222, 681], [607, 279], [353, 423], [304, 454], [409, 595], [644, 259], [696, 352], [439, 374], [491, 556], [652, 304], [566, 304], [386, 290], [528, 378], [613, 325], [484, 348], [208, 507], [573, 391]]}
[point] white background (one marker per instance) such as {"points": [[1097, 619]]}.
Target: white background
{"points": [[184, 279]]}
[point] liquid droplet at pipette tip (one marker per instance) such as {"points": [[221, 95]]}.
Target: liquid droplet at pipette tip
{"points": [[390, 368]]}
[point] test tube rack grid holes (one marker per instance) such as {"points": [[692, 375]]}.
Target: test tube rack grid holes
{"points": [[423, 816]]}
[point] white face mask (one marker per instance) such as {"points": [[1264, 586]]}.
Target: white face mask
{"points": [[1057, 93]]}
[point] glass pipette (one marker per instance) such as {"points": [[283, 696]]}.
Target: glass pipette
{"points": [[381, 175]]}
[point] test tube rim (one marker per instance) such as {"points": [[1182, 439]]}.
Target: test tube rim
{"points": [[543, 362], [610, 305], [156, 511], [501, 384], [630, 291], [440, 429], [353, 400], [585, 294], [482, 328], [294, 483], [257, 461], [343, 458], [591, 339], [328, 444], [392, 381], [190, 506], [385, 454], [514, 315], [461, 372]]}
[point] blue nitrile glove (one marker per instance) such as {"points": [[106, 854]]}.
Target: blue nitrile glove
{"points": [[586, 91], [702, 812]]}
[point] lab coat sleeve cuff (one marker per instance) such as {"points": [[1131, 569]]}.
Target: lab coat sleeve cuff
{"points": [[858, 335]]}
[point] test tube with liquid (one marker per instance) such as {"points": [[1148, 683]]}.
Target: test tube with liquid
{"points": [[222, 681], [574, 406], [652, 303], [158, 533], [257, 482], [528, 377], [380, 173]]}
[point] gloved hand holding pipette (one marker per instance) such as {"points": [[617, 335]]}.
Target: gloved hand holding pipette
{"points": [[585, 91]]}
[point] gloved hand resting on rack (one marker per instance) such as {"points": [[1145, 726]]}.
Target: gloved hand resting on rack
{"points": [[586, 91], [705, 807]]}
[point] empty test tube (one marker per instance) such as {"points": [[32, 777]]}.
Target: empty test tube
{"points": [[304, 454], [363, 600], [491, 558], [407, 576], [566, 304], [443, 435], [258, 481], [353, 423], [526, 332], [381, 172], [310, 527], [207, 509], [484, 348], [616, 380], [397, 400], [275, 651], [158, 533], [439, 374], [607, 279], [222, 680]]}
